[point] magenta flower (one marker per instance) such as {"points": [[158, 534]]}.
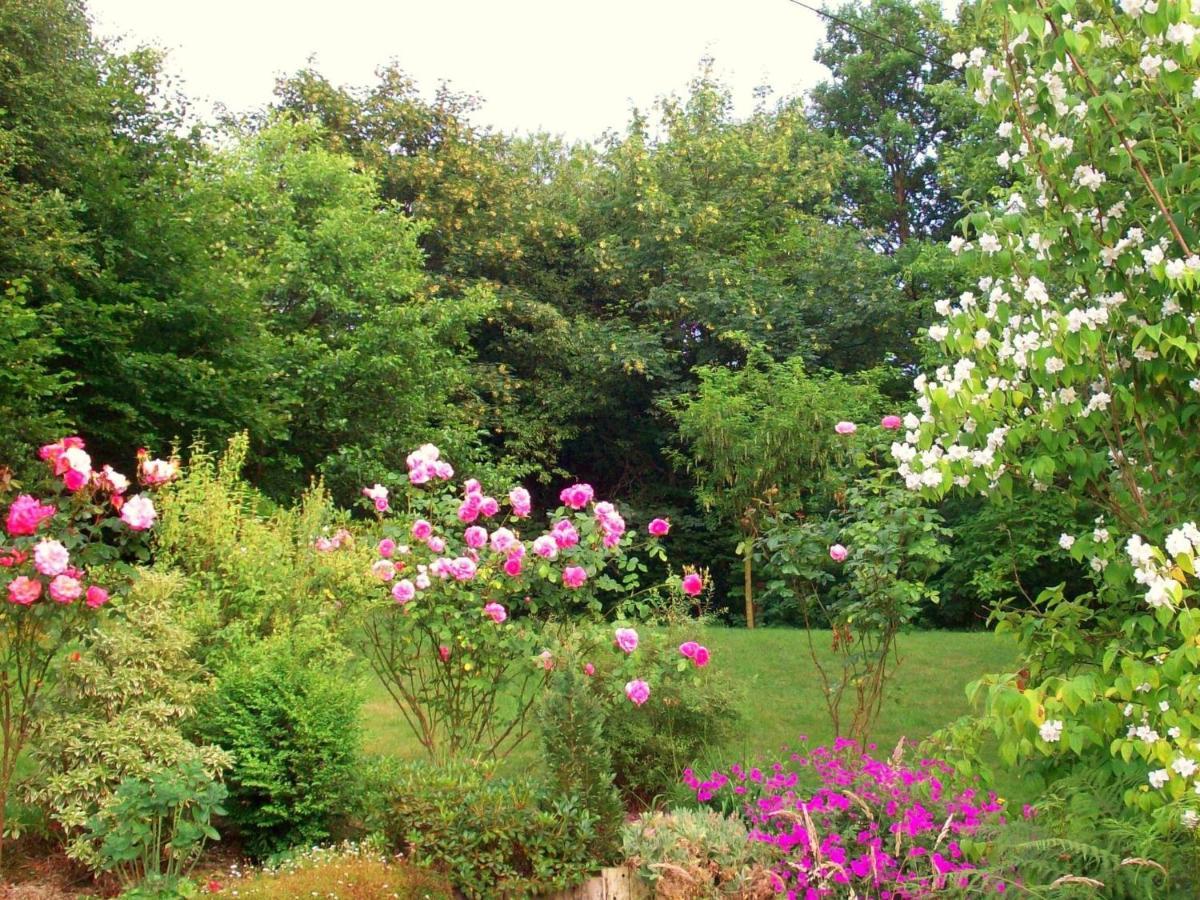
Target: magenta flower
{"points": [[688, 649], [637, 691], [891, 423], [386, 547], [693, 584], [701, 657], [403, 591], [421, 530], [519, 500], [495, 612], [26, 514], [574, 576], [577, 496], [444, 652], [96, 597], [475, 536], [589, 669], [436, 544], [659, 527], [838, 553]]}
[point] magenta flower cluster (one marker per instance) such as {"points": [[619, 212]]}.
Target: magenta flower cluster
{"points": [[843, 821]]}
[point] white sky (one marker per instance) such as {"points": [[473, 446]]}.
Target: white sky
{"points": [[565, 66]]}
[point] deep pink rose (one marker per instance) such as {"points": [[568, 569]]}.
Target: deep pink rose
{"points": [[688, 649], [96, 597], [23, 590], [577, 496], [519, 500], [701, 657], [693, 584], [386, 547], [26, 514], [475, 536], [574, 576], [659, 527], [891, 423], [403, 591]]}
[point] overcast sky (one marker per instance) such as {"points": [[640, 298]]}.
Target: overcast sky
{"points": [[565, 66]]}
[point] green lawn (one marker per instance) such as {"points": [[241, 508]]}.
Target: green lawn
{"points": [[783, 693]]}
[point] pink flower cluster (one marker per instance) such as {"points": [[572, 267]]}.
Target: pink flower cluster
{"points": [[341, 538], [69, 461], [861, 825], [424, 464], [697, 653]]}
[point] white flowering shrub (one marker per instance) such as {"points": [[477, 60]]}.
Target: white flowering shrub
{"points": [[1073, 367]]}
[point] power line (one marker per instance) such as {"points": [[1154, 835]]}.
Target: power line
{"points": [[878, 37]]}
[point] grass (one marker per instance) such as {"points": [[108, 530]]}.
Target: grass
{"points": [[783, 693]]}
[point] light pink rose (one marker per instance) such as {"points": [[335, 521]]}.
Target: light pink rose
{"points": [[475, 536], [384, 569], [574, 576], [51, 558], [386, 547], [138, 512], [838, 553], [158, 471], [892, 423], [626, 639], [519, 500], [421, 530], [845, 428], [564, 534], [495, 612], [403, 591], [436, 544], [65, 589], [545, 547], [637, 691], [23, 590], [489, 506], [589, 669], [502, 540]]}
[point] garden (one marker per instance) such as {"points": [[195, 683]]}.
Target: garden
{"points": [[796, 504]]}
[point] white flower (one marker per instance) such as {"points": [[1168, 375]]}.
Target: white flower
{"points": [[938, 332], [1158, 778], [1174, 732], [1100, 535], [989, 243], [1153, 256], [1163, 706], [1184, 766], [1181, 33], [1089, 177], [1150, 65], [1176, 268], [958, 60], [1189, 819], [1005, 129], [1051, 731], [956, 243], [1054, 365]]}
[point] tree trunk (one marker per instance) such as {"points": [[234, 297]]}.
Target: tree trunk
{"points": [[747, 571]]}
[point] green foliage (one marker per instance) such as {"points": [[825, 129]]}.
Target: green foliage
{"points": [[115, 711], [287, 708], [694, 853], [248, 563], [491, 836], [156, 827]]}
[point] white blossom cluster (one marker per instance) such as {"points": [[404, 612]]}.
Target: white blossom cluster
{"points": [[1152, 568]]}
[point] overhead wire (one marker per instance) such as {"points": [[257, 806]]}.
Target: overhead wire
{"points": [[879, 37]]}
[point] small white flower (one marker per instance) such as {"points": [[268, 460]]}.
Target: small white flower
{"points": [[1163, 705], [958, 60], [1190, 818], [1051, 731], [1150, 65], [989, 243], [1158, 778], [1054, 365], [1183, 766], [1066, 541]]}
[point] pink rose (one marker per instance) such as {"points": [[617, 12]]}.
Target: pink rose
{"points": [[545, 547], [386, 547], [443, 470], [23, 590], [422, 581], [637, 691], [384, 569], [693, 584], [76, 480], [489, 506], [547, 659], [502, 540], [519, 500], [891, 423], [421, 530], [564, 534], [51, 558], [845, 428], [159, 471], [436, 544], [589, 669], [472, 486], [444, 652], [26, 514], [701, 657], [475, 536], [626, 639], [659, 527], [108, 479], [96, 597], [512, 566], [65, 589], [495, 612], [577, 496], [574, 576], [838, 553], [324, 545], [688, 649], [138, 513], [403, 591], [463, 568]]}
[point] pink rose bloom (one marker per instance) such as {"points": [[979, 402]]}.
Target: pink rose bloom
{"points": [[26, 514], [519, 500], [574, 576], [637, 691], [65, 589], [342, 536], [611, 540], [547, 659], [891, 423], [422, 581], [845, 428], [626, 639], [838, 553], [545, 547], [436, 544], [384, 569], [108, 479], [502, 540], [495, 612], [96, 597], [475, 536], [51, 558], [472, 486], [23, 590], [693, 584], [75, 480], [577, 496], [564, 534], [138, 513], [440, 567], [659, 527], [688, 649], [489, 506], [443, 470], [421, 530], [512, 566], [403, 591], [603, 510], [160, 471], [463, 568], [444, 652], [324, 545], [701, 657], [386, 547], [589, 669], [381, 504], [468, 512]]}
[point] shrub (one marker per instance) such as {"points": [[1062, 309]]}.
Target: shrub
{"points": [[116, 709], [690, 853], [492, 836], [154, 829], [287, 708]]}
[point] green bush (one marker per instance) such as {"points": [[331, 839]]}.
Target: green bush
{"points": [[492, 836], [287, 707], [116, 710], [698, 853]]}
